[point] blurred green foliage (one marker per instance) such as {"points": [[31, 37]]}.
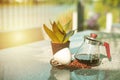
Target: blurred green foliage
{"points": [[61, 1], [112, 3], [34, 2], [102, 7]]}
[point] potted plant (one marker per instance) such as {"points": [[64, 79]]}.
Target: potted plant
{"points": [[59, 35]]}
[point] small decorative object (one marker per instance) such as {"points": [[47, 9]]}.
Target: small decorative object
{"points": [[63, 60], [73, 65], [62, 57], [59, 35]]}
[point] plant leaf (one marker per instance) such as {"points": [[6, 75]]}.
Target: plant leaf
{"points": [[51, 22], [60, 35], [67, 26], [68, 35], [51, 34], [60, 27]]}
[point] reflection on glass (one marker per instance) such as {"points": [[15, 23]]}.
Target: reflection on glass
{"points": [[80, 74], [88, 74], [59, 74], [1, 71]]}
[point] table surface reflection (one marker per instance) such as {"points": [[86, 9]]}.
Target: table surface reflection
{"points": [[31, 61]]}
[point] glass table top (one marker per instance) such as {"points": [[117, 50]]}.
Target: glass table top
{"points": [[32, 62]]}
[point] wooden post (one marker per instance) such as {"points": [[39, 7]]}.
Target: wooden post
{"points": [[80, 10], [108, 22]]}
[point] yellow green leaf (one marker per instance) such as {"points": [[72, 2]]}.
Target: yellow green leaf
{"points": [[51, 34], [68, 35], [57, 32], [51, 22], [67, 26], [60, 27]]}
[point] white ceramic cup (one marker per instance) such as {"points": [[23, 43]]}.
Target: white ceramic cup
{"points": [[61, 57]]}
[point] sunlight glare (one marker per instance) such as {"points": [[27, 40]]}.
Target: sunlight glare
{"points": [[20, 1], [18, 36]]}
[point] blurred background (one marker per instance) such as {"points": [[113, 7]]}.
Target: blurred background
{"points": [[21, 21]]}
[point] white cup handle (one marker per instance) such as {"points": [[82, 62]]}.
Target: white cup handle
{"points": [[54, 62]]}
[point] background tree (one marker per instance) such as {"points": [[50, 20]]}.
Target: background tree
{"points": [[114, 4], [102, 7]]}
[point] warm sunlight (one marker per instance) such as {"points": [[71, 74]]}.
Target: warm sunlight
{"points": [[18, 37], [19, 1]]}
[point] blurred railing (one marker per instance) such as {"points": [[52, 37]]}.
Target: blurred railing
{"points": [[24, 16], [21, 17]]}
